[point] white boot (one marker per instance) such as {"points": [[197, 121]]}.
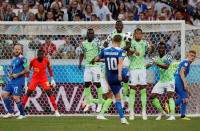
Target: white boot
{"points": [[101, 117], [161, 114], [124, 121], [57, 114], [8, 115]]}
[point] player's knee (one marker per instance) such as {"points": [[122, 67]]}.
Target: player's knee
{"points": [[152, 96], [29, 92], [187, 100], [97, 84], [87, 84], [49, 93], [170, 94], [16, 98], [109, 94]]}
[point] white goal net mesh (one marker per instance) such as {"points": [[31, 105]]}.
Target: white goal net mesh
{"points": [[64, 53]]}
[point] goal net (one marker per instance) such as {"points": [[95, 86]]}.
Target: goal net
{"points": [[67, 38]]}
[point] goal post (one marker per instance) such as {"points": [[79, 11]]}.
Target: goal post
{"points": [[67, 37]]}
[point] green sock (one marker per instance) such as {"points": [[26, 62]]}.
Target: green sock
{"points": [[100, 94], [156, 103], [172, 106], [143, 98], [87, 94], [96, 101], [106, 106], [125, 90], [132, 99]]}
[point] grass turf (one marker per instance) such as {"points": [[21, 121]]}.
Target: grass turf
{"points": [[92, 124]]}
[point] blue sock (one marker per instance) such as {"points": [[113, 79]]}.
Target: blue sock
{"points": [[8, 106], [183, 109], [119, 108], [20, 107], [178, 101]]}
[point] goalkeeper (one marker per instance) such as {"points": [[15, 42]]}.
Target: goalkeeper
{"points": [[40, 64]]}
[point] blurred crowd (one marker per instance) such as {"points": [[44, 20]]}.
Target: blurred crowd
{"points": [[100, 10]]}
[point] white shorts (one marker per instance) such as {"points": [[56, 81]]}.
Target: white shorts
{"points": [[92, 74], [160, 88], [138, 77], [104, 85]]}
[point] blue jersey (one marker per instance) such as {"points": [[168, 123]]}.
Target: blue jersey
{"points": [[186, 64], [18, 65], [112, 55]]}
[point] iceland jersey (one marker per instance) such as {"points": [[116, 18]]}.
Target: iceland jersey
{"points": [[111, 56], [186, 64]]}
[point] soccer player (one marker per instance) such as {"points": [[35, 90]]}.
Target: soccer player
{"points": [[124, 46], [163, 63], [138, 71], [19, 67], [181, 86], [40, 64], [114, 57], [91, 48]]}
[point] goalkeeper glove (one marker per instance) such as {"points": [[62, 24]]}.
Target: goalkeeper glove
{"points": [[53, 83]]}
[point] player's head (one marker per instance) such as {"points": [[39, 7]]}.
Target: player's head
{"points": [[90, 34], [40, 55], [191, 55], [138, 34], [161, 48], [119, 26], [18, 50], [117, 40]]}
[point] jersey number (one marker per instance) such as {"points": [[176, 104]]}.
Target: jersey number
{"points": [[112, 63]]}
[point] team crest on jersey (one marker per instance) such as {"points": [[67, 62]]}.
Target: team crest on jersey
{"points": [[186, 64], [44, 66]]}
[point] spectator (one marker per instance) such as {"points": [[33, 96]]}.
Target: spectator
{"points": [[60, 18], [56, 2], [56, 11], [31, 16], [102, 11], [88, 12], [7, 16], [113, 7], [94, 17], [4, 50], [142, 16], [193, 3], [3, 10], [149, 4], [150, 16], [49, 48], [77, 17], [128, 5], [158, 8], [19, 4], [73, 10], [67, 50], [47, 4], [24, 15], [130, 16], [165, 12], [178, 16], [41, 15], [139, 7], [121, 12], [50, 16]]}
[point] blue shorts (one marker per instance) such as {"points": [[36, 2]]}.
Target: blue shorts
{"points": [[14, 89], [114, 83], [180, 91]]}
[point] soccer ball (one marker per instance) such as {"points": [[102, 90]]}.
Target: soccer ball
{"points": [[128, 37]]}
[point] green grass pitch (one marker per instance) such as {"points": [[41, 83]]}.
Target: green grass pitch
{"points": [[85, 123]]}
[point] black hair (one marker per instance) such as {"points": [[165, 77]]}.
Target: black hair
{"points": [[138, 29], [40, 51], [162, 44]]}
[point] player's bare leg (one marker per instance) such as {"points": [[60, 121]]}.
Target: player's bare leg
{"points": [[100, 97], [171, 105], [156, 103], [143, 96], [132, 102], [53, 102], [6, 100]]}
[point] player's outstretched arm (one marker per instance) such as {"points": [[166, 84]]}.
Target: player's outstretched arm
{"points": [[149, 65], [182, 74]]}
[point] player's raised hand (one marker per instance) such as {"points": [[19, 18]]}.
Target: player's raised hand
{"points": [[79, 67], [53, 83]]}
